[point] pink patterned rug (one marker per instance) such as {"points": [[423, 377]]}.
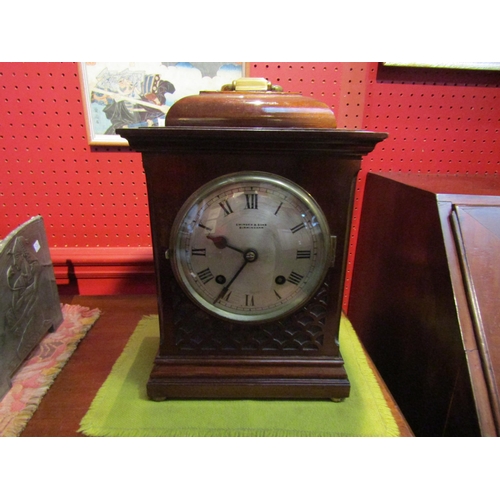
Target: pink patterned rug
{"points": [[38, 372]]}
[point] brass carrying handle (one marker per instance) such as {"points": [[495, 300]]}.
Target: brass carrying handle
{"points": [[252, 85]]}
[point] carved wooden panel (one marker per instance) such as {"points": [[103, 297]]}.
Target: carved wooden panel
{"points": [[302, 332]]}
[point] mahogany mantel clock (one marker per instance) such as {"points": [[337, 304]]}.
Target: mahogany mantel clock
{"points": [[250, 195]]}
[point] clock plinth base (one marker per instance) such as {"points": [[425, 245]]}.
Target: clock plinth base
{"points": [[234, 378]]}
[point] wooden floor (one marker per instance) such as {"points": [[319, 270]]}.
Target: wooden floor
{"points": [[73, 391]]}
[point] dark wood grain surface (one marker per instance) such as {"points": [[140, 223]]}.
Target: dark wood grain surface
{"points": [[411, 306], [478, 238]]}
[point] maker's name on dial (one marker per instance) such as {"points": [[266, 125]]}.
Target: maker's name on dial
{"points": [[250, 226]]}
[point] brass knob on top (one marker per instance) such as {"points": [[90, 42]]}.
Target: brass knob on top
{"points": [[247, 84]]}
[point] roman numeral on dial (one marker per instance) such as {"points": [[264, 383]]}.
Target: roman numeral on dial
{"points": [[252, 201], [201, 252], [205, 275], [226, 207], [295, 278], [303, 254]]}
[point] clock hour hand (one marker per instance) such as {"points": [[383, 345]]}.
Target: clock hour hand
{"points": [[221, 242]]}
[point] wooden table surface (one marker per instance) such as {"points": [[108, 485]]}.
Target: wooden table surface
{"points": [[71, 394]]}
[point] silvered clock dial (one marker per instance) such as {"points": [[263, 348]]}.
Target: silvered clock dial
{"points": [[250, 247]]}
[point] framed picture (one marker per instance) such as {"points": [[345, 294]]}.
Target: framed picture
{"points": [[490, 66], [134, 94]]}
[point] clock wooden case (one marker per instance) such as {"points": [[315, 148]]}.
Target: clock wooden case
{"points": [[234, 135]]}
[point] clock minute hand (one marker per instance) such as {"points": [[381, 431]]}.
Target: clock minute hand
{"points": [[226, 288], [249, 255], [221, 242]]}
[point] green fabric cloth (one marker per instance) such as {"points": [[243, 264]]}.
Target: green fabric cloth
{"points": [[122, 408]]}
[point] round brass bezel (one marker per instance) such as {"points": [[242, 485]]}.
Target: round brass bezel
{"points": [[223, 183]]}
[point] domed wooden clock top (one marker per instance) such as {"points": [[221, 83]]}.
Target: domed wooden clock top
{"points": [[250, 197]]}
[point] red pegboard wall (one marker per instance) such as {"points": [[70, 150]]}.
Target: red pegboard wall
{"points": [[88, 196], [439, 121]]}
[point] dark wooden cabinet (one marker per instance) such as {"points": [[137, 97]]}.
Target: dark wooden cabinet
{"points": [[424, 297], [178, 161], [225, 331]]}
